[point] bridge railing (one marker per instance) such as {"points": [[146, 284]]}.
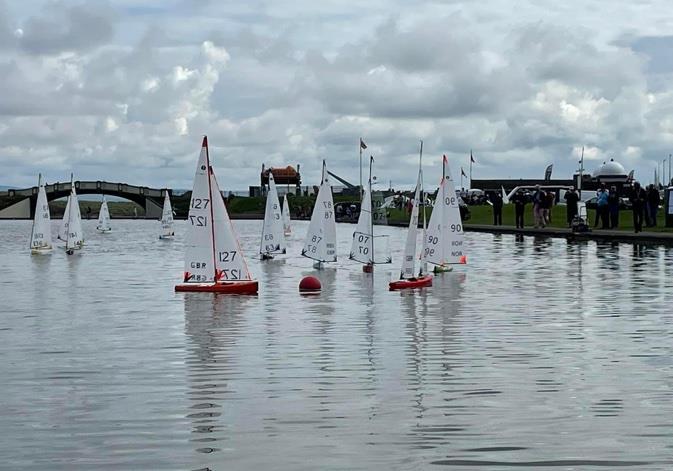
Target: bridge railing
{"points": [[91, 186]]}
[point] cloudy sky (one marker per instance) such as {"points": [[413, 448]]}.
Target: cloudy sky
{"points": [[123, 90]]}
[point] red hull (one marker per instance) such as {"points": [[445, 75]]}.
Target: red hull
{"points": [[223, 287], [411, 284]]}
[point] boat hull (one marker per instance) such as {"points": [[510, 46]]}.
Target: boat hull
{"points": [[442, 268], [41, 251], [421, 282], [223, 287]]}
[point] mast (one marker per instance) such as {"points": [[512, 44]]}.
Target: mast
{"points": [[371, 208], [32, 229], [67, 232], [423, 197], [212, 216]]}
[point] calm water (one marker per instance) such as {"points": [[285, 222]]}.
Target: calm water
{"points": [[539, 354]]}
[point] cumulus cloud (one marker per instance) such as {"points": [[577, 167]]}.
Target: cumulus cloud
{"points": [[124, 90]]}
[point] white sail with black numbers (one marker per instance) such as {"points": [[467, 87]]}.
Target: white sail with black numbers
{"points": [[212, 251], [40, 238], [273, 240], [320, 244], [167, 217], [443, 244], [409, 260], [230, 264], [199, 253]]}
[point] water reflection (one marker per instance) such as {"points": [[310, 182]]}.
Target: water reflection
{"points": [[213, 324]]}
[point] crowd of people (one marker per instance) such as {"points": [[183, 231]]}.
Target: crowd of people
{"points": [[644, 203]]}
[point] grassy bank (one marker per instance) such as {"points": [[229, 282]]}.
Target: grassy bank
{"points": [[118, 209]]}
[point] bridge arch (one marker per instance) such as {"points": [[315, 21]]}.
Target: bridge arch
{"points": [[20, 204]]}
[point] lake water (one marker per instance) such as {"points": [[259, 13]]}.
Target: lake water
{"points": [[539, 354]]}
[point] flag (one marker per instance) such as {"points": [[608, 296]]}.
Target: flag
{"points": [[462, 172], [547, 172], [362, 144], [472, 161]]}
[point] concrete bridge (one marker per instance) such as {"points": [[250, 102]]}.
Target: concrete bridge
{"points": [[20, 204]]}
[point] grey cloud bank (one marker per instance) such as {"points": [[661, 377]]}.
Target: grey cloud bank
{"points": [[123, 90]]}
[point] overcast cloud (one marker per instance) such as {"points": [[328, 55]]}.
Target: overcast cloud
{"points": [[123, 90]]}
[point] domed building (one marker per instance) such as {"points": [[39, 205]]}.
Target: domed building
{"points": [[611, 172]]}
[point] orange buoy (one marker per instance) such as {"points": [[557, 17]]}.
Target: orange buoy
{"points": [[309, 284]]}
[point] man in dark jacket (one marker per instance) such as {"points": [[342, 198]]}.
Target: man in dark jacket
{"points": [[638, 199], [519, 200], [613, 207], [571, 198], [653, 200], [496, 200]]}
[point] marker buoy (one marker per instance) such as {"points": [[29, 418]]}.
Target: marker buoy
{"points": [[310, 284]]}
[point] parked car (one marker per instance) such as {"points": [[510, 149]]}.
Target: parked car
{"points": [[624, 203]]}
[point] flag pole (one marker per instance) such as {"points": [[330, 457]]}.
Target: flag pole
{"points": [[360, 146], [471, 159]]}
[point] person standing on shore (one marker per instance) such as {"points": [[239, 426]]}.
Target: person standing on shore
{"points": [[613, 207], [602, 206], [538, 206], [653, 200], [572, 198], [548, 206], [519, 200], [638, 199], [496, 200]]}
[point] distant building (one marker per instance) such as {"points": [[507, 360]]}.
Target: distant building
{"points": [[611, 173], [288, 180]]}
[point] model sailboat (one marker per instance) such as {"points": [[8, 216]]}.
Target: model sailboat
{"points": [[167, 219], [408, 278], [362, 248], [444, 239], [272, 241], [40, 237], [71, 227], [287, 228], [320, 244], [213, 258], [104, 217]]}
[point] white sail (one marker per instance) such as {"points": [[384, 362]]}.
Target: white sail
{"points": [[104, 217], [320, 241], [272, 228], [230, 264], [409, 260], [362, 247], [63, 228], [199, 254], [167, 217], [212, 252], [40, 238], [505, 198], [287, 227], [379, 213], [444, 237], [72, 223]]}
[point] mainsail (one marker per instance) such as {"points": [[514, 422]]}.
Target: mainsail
{"points": [[212, 250], [287, 227], [363, 245], [409, 260], [167, 218], [40, 238], [444, 237], [320, 241], [104, 217], [272, 228]]}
